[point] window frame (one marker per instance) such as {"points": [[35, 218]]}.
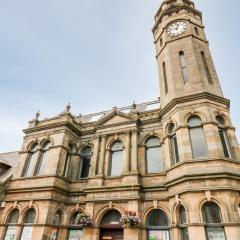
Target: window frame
{"points": [[173, 144], [183, 225]]}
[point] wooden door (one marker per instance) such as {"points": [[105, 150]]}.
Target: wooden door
{"points": [[111, 234]]}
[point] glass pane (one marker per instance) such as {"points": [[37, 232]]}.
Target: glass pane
{"points": [[86, 152], [30, 216], [215, 233], [171, 129], [46, 146], [31, 164], [75, 234], [182, 215], [194, 122], [117, 146], [174, 149], [26, 233], [211, 213], [185, 74], [154, 160], [184, 234], [224, 141], [116, 163], [11, 233], [42, 163], [13, 218], [221, 122], [85, 167], [57, 219], [157, 218], [111, 217], [199, 147], [153, 142], [158, 235]]}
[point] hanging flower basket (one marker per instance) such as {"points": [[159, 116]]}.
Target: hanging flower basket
{"points": [[130, 219], [83, 220]]}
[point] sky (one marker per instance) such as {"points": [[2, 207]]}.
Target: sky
{"points": [[95, 54]]}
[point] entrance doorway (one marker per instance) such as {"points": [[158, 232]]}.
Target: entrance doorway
{"points": [[111, 234], [111, 227]]}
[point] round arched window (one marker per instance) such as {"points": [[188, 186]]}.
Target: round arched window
{"points": [[111, 218], [12, 221], [212, 218], [28, 220], [157, 225]]}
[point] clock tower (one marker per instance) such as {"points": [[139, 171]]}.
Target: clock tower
{"points": [[182, 51]]}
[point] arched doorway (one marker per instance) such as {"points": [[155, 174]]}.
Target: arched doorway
{"points": [[111, 228]]}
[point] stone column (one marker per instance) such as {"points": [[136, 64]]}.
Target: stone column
{"points": [[95, 157], [126, 162], [102, 155], [134, 154]]}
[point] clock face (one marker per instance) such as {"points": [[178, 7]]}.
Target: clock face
{"points": [[177, 28]]}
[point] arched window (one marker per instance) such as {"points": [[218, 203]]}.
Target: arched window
{"points": [[173, 144], [66, 171], [223, 137], [116, 159], [196, 31], [74, 231], [31, 162], [111, 227], [165, 77], [85, 162], [197, 137], [212, 218], [57, 218], [183, 66], [12, 221], [154, 162], [111, 218], [209, 77], [43, 159], [157, 225], [182, 223], [28, 221]]}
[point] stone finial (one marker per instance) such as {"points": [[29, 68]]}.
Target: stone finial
{"points": [[37, 115], [134, 107], [115, 108], [68, 107]]}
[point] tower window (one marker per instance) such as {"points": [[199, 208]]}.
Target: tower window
{"points": [[116, 159], [183, 66], [165, 77], [154, 163], [173, 144], [43, 159], [31, 162], [206, 68], [223, 136], [161, 42], [196, 31], [212, 217], [198, 142], [66, 171]]}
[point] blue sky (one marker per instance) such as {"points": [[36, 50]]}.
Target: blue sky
{"points": [[95, 54]]}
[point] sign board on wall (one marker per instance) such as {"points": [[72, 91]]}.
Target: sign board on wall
{"points": [[11, 233], [26, 233]]}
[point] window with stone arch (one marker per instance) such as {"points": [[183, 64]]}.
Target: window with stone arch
{"points": [[154, 159], [67, 164], [112, 217], [213, 221], [223, 136], [183, 223], [85, 162], [173, 144], [158, 225], [31, 161], [28, 222], [74, 231], [115, 167], [197, 137], [41, 165], [11, 223]]}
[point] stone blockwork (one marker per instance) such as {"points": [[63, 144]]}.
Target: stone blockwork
{"points": [[57, 174]]}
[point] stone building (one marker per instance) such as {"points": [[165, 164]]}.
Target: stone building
{"points": [[173, 162]]}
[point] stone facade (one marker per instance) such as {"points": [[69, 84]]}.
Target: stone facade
{"points": [[186, 180]]}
